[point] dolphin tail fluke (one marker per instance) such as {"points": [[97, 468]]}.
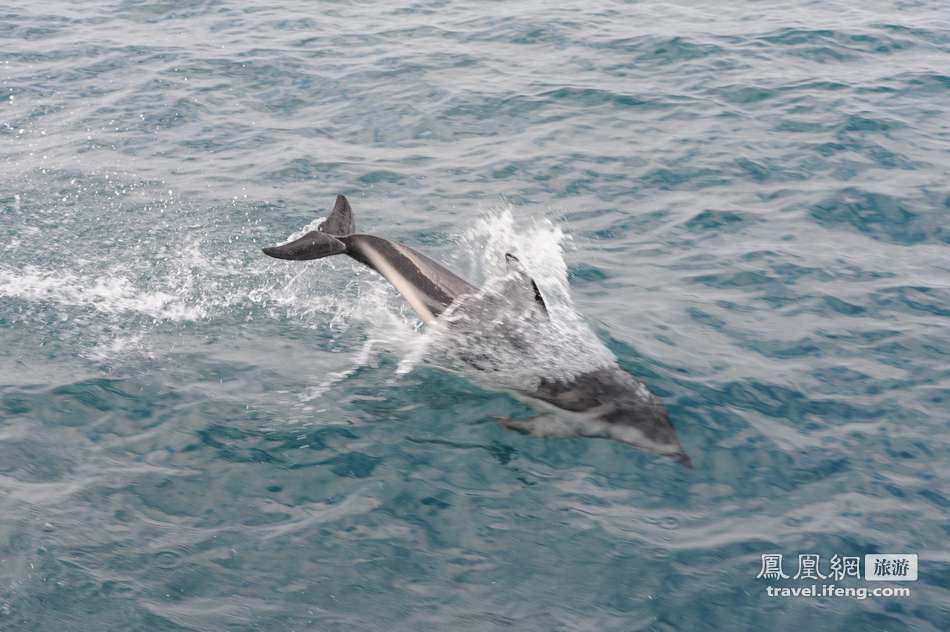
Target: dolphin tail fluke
{"points": [[313, 245], [340, 221], [322, 242]]}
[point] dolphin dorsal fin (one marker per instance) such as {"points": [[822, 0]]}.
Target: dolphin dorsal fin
{"points": [[523, 284]]}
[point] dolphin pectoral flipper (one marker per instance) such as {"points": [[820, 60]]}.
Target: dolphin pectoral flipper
{"points": [[554, 426], [543, 425]]}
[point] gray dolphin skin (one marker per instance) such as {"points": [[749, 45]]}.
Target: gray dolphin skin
{"points": [[604, 403]]}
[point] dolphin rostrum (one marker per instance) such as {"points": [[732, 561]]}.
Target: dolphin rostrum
{"points": [[605, 402]]}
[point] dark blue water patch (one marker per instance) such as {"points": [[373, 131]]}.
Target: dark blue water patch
{"points": [[52, 25], [799, 126], [33, 461], [745, 95], [682, 176], [165, 11], [87, 594], [864, 124], [888, 159], [916, 355], [476, 114], [231, 444], [540, 32], [295, 24], [305, 170], [818, 51], [926, 300], [826, 45], [757, 171], [353, 464], [659, 51], [839, 306], [591, 97], [814, 346], [651, 370], [793, 405], [792, 273], [181, 112], [93, 394], [712, 220], [785, 349], [842, 270], [926, 83], [315, 440], [879, 216], [746, 279], [937, 37], [382, 176], [15, 404], [582, 274], [73, 404]]}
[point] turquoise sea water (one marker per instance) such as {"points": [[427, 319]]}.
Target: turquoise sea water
{"points": [[746, 203]]}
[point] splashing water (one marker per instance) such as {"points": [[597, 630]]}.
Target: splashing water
{"points": [[498, 330], [111, 293], [120, 305], [486, 331]]}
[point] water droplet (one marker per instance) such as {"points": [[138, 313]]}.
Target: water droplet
{"points": [[669, 522], [166, 559]]}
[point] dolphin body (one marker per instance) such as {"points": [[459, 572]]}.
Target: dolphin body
{"points": [[606, 402]]}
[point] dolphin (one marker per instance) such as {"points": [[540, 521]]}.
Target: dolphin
{"points": [[606, 402]]}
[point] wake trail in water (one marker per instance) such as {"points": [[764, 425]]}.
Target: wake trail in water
{"points": [[118, 306]]}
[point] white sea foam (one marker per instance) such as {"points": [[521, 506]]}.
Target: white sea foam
{"points": [[118, 305], [111, 293]]}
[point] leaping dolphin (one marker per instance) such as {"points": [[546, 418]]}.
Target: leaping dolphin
{"points": [[606, 402]]}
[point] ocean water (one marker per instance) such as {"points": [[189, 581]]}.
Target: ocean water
{"points": [[745, 203]]}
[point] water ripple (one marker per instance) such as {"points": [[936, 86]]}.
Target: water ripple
{"points": [[746, 206]]}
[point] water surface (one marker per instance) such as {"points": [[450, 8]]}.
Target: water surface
{"points": [[745, 203]]}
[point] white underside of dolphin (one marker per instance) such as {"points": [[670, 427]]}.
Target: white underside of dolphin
{"points": [[400, 282]]}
